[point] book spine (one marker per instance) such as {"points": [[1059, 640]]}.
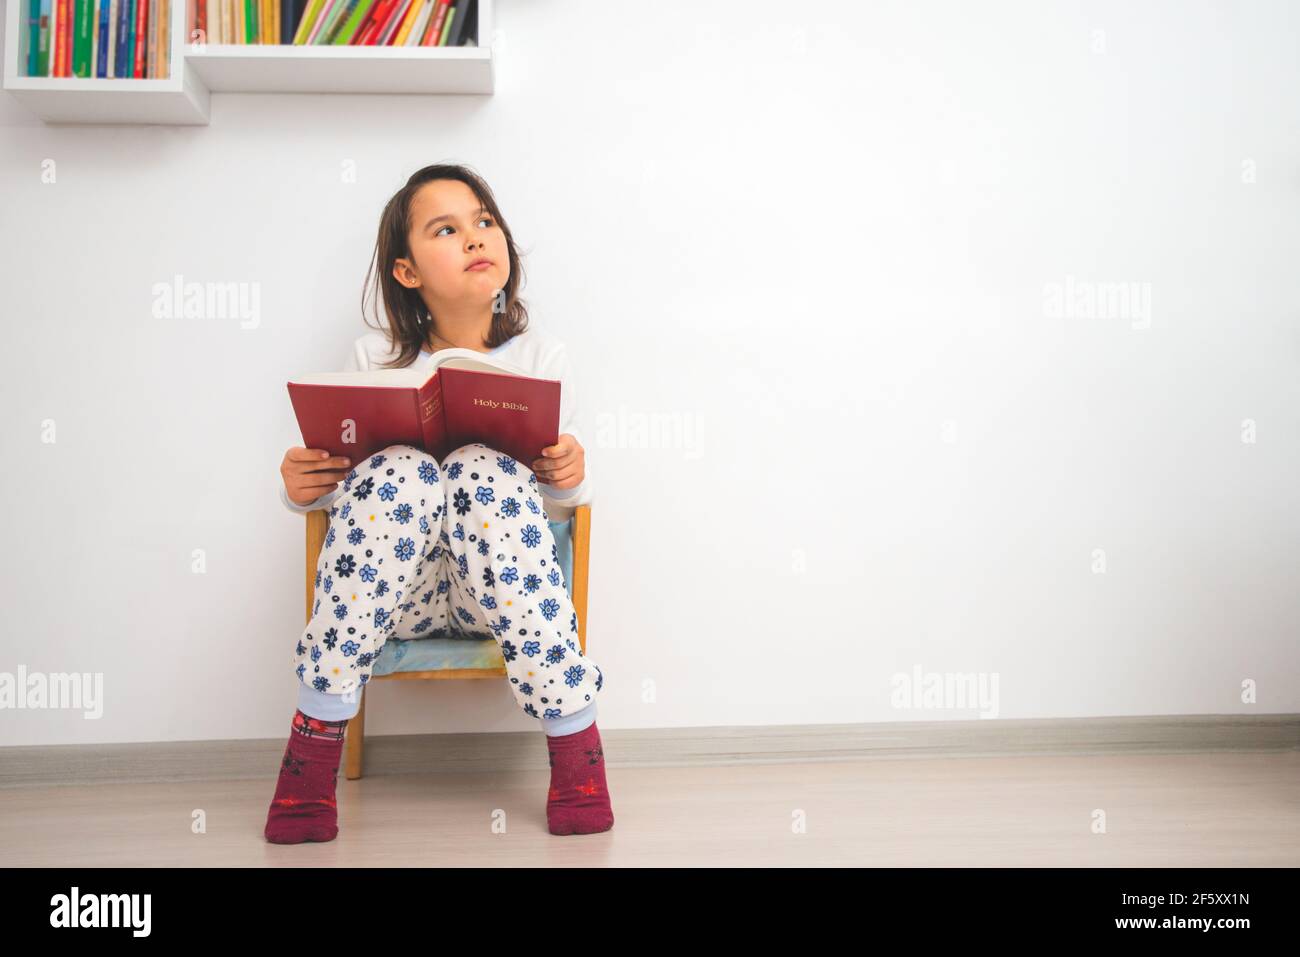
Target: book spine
{"points": [[151, 41], [446, 26], [65, 36], [308, 18], [141, 19], [33, 36], [105, 34], [412, 15], [435, 24], [42, 67], [81, 39], [357, 10], [394, 23], [433, 417]]}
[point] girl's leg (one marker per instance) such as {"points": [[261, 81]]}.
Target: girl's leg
{"points": [[506, 577], [383, 527], [391, 508]]}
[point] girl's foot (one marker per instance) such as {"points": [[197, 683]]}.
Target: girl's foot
{"points": [[578, 802], [304, 807]]}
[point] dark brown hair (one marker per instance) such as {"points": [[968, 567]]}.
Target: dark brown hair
{"points": [[409, 320]]}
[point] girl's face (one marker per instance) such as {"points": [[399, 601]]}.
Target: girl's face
{"points": [[450, 229]]}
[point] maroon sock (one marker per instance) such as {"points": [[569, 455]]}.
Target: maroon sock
{"points": [[304, 808], [578, 802]]}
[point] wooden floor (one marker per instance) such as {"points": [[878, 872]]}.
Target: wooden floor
{"points": [[1213, 809]]}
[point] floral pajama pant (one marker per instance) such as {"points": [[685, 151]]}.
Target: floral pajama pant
{"points": [[458, 548]]}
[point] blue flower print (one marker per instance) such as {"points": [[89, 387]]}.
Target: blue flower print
{"points": [[485, 495], [532, 648], [509, 574], [356, 537], [552, 713], [554, 577], [403, 513], [388, 491], [550, 608], [350, 648], [315, 652], [459, 532], [531, 536], [329, 583], [363, 489], [331, 639], [573, 675], [344, 565], [368, 574], [405, 549], [487, 601], [382, 588], [489, 580], [482, 546], [377, 460], [320, 683], [428, 474], [465, 616], [530, 710], [346, 510], [329, 537], [509, 507], [460, 501], [555, 653], [454, 470], [526, 688], [381, 617], [506, 464], [532, 506], [424, 528], [340, 611], [508, 651], [531, 583]]}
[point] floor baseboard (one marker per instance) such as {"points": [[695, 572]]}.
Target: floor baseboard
{"points": [[85, 764]]}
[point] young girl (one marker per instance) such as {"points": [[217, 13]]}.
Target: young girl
{"points": [[417, 545]]}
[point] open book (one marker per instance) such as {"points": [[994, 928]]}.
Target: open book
{"points": [[459, 396]]}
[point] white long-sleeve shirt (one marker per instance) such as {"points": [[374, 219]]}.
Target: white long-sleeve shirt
{"points": [[536, 353]]}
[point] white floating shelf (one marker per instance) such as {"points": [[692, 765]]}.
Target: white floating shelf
{"points": [[201, 69], [234, 68]]}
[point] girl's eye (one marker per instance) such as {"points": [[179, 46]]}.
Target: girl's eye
{"points": [[484, 219]]}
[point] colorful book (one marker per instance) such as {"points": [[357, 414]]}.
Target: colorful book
{"points": [[458, 396]]}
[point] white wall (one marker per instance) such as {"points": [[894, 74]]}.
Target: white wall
{"points": [[827, 249]]}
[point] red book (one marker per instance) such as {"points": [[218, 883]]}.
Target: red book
{"points": [[141, 34], [64, 31], [375, 21], [459, 396]]}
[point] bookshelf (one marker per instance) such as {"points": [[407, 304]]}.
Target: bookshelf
{"points": [[200, 69]]}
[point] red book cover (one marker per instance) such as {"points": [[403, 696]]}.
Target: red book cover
{"points": [[466, 398], [141, 34]]}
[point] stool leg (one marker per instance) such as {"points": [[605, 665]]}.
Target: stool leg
{"points": [[355, 741]]}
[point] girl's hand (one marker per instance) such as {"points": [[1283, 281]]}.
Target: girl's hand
{"points": [[563, 464], [310, 473]]}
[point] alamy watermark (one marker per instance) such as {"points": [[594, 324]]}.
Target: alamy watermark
{"points": [[55, 690]]}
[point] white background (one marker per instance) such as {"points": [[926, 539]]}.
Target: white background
{"points": [[812, 245]]}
